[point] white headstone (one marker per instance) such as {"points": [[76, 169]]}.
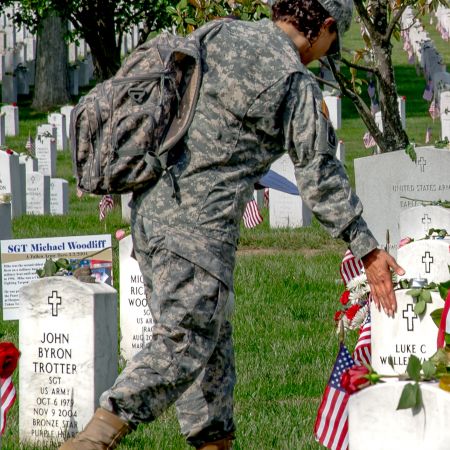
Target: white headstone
{"points": [[404, 334], [428, 259], [68, 343], [416, 222], [11, 119], [286, 210], [59, 196], [391, 182], [31, 164], [340, 152], [335, 110], [126, 210], [374, 423], [45, 150], [73, 80], [10, 182], [59, 120], [445, 114], [2, 128], [9, 86], [38, 193], [402, 110], [5, 220], [136, 321], [66, 111]]}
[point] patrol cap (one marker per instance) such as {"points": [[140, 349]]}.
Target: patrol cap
{"points": [[341, 11]]}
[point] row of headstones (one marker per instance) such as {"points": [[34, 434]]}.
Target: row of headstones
{"points": [[443, 20], [394, 339], [18, 55]]}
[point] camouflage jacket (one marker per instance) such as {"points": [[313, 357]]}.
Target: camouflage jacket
{"points": [[256, 102]]}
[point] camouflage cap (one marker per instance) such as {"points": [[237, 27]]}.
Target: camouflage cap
{"points": [[341, 11]]}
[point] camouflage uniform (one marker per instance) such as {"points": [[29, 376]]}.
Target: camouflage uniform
{"points": [[256, 102]]}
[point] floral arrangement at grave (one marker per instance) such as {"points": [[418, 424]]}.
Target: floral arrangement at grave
{"points": [[354, 313], [9, 357]]}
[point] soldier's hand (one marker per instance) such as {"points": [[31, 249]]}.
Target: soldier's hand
{"points": [[378, 265]]}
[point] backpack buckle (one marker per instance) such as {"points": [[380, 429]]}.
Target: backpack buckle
{"points": [[137, 95]]}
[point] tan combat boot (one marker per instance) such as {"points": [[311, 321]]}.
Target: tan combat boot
{"points": [[103, 432], [222, 444]]}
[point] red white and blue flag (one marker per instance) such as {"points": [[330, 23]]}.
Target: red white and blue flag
{"points": [[331, 427], [252, 217], [106, 204], [363, 348], [7, 398]]}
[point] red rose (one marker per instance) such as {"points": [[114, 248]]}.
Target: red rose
{"points": [[338, 315], [355, 378], [9, 355], [9, 151], [351, 312], [404, 241], [345, 297], [14, 104]]}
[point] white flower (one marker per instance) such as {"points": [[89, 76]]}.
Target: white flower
{"points": [[359, 288]]}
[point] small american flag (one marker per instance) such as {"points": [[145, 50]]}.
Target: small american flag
{"points": [[434, 110], [106, 204], [252, 217], [350, 267], [29, 145], [428, 93], [331, 427], [363, 349], [7, 399], [368, 140]]}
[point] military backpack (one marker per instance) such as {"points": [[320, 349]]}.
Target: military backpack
{"points": [[122, 130]]}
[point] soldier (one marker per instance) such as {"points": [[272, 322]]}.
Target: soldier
{"points": [[257, 101]]}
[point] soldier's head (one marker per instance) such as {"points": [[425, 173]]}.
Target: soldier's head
{"points": [[321, 22]]}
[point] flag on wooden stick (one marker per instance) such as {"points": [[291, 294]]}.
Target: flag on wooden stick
{"points": [[252, 217], [7, 399], [106, 204]]}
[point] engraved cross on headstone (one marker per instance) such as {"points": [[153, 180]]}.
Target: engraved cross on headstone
{"points": [[426, 220], [422, 162], [427, 259], [409, 315], [55, 301]]}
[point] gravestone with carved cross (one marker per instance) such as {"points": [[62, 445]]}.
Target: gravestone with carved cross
{"points": [[417, 221], [390, 183], [404, 334], [68, 343], [427, 258]]}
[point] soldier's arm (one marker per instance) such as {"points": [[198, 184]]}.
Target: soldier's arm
{"points": [[325, 188]]}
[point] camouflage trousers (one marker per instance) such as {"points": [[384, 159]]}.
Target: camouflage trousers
{"points": [[190, 359]]}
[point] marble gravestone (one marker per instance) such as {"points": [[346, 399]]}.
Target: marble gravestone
{"points": [[334, 109], [445, 114], [45, 151], [374, 423], [31, 164], [66, 111], [68, 343], [11, 119], [47, 130], [38, 193], [428, 259], [5, 219], [404, 334], [59, 196], [340, 151], [416, 222], [59, 121], [10, 182], [126, 210], [135, 317], [2, 129], [286, 210], [390, 182]]}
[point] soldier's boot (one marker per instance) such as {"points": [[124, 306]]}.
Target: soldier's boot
{"points": [[222, 444], [103, 432]]}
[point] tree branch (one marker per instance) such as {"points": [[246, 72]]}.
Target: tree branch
{"points": [[393, 23], [328, 83], [363, 14], [373, 70]]}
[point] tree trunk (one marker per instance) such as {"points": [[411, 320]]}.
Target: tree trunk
{"points": [[51, 82]]}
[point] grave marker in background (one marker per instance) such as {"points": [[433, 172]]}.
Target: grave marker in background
{"points": [[59, 196], [286, 210], [68, 343], [11, 119], [45, 150], [10, 181], [37, 193], [5, 218], [390, 182], [136, 321]]}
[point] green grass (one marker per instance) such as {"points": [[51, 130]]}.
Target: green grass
{"points": [[287, 286]]}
